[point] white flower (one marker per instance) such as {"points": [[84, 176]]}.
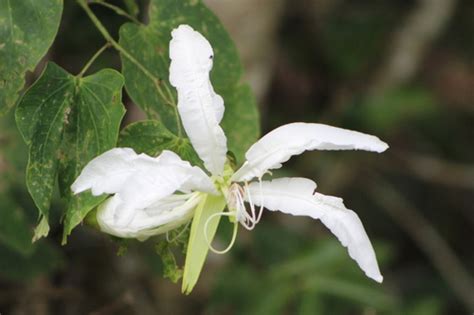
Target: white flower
{"points": [[154, 195]]}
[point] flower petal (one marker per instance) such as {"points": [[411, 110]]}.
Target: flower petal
{"points": [[295, 196], [280, 144], [172, 212], [106, 173], [139, 179], [162, 177], [200, 108], [109, 172], [217, 103]]}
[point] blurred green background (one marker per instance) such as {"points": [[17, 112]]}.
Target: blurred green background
{"points": [[403, 70]]}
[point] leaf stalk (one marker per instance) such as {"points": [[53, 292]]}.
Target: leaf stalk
{"points": [[93, 59]]}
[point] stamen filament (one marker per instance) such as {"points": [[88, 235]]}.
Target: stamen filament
{"points": [[234, 233]]}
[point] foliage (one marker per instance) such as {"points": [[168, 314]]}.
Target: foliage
{"points": [[66, 120], [323, 66], [27, 30], [146, 63]]}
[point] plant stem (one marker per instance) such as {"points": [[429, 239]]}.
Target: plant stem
{"points": [[112, 41], [116, 9], [156, 81], [93, 58]]}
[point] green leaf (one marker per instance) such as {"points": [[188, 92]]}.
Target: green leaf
{"points": [[93, 128], [42, 229], [66, 121], [27, 30], [152, 137], [240, 121], [146, 76], [15, 232], [149, 136], [198, 245]]}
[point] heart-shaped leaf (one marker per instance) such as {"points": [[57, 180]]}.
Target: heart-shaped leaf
{"points": [[66, 121]]}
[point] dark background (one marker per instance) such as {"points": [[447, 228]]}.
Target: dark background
{"points": [[403, 70]]}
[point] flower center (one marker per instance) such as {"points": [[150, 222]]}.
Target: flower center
{"points": [[237, 211]]}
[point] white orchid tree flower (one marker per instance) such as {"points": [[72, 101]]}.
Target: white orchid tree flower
{"points": [[152, 195]]}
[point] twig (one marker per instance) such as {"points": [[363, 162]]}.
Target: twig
{"points": [[427, 239]]}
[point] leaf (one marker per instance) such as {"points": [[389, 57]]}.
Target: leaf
{"points": [[149, 136], [15, 231], [27, 30], [66, 121], [152, 137], [93, 128], [198, 245], [146, 79], [240, 122]]}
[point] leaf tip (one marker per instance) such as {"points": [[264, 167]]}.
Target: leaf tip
{"points": [[41, 230]]}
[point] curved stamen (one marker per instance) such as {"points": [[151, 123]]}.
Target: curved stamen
{"points": [[247, 217], [249, 222], [252, 218], [234, 233]]}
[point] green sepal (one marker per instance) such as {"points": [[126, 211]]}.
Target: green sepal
{"points": [[198, 246]]}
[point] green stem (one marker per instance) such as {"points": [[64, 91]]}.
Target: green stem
{"points": [[156, 81], [116, 9], [94, 57], [125, 53]]}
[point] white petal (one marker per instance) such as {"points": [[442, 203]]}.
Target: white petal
{"points": [[162, 177], [191, 58], [295, 196], [166, 204], [174, 211], [106, 173], [197, 180], [200, 108], [140, 180], [110, 172], [280, 144], [218, 104]]}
